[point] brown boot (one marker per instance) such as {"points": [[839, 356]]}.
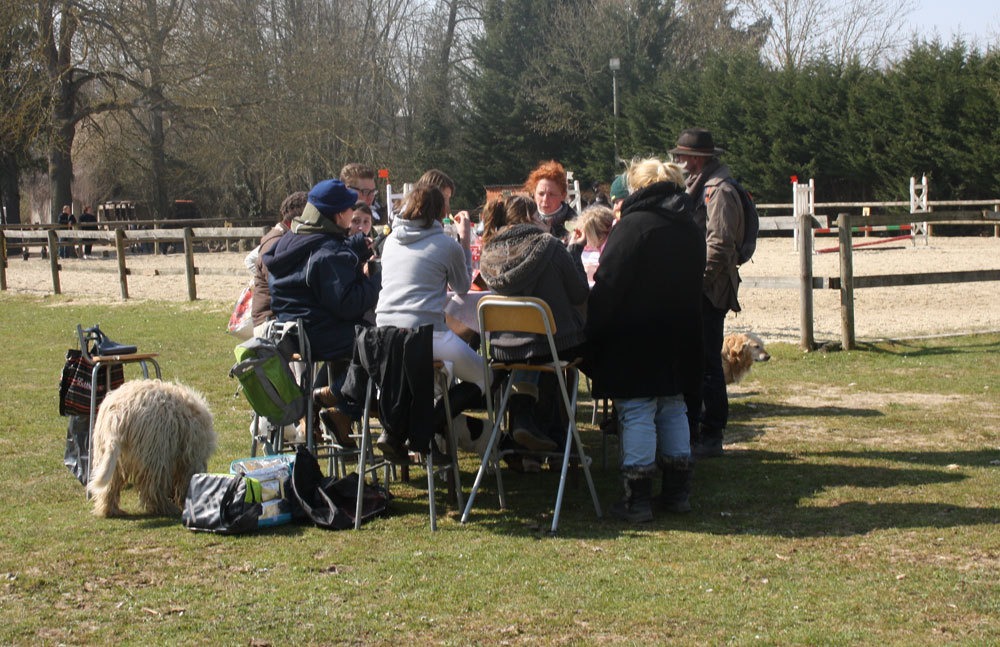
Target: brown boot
{"points": [[339, 424], [324, 398]]}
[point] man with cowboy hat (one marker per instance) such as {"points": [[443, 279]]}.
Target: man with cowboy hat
{"points": [[718, 210]]}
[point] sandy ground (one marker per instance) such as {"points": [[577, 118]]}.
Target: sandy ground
{"points": [[772, 313]]}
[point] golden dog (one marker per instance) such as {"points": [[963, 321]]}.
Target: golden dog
{"points": [[155, 435], [739, 352]]}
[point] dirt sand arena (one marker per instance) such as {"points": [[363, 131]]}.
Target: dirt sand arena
{"points": [[773, 313]]}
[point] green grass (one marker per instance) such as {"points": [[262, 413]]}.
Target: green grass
{"points": [[857, 504]]}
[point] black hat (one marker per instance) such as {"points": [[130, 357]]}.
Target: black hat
{"points": [[696, 142]]}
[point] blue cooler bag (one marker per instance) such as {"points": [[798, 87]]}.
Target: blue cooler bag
{"points": [[273, 473]]}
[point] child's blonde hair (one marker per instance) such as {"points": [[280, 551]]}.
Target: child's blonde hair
{"points": [[595, 222]]}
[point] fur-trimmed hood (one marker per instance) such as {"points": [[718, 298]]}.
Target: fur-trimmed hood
{"points": [[515, 258]]}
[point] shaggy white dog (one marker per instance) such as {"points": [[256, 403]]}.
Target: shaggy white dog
{"points": [[152, 434]]}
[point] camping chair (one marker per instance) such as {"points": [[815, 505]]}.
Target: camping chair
{"points": [[365, 454], [530, 315], [271, 436], [89, 337], [265, 433]]}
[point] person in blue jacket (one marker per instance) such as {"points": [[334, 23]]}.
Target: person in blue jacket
{"points": [[319, 274]]}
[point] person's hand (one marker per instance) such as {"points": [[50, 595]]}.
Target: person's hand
{"points": [[577, 237], [463, 222]]}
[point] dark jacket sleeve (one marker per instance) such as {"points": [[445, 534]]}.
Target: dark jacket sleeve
{"points": [[341, 286], [569, 264], [610, 281]]}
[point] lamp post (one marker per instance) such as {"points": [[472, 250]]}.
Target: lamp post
{"points": [[615, 64]]}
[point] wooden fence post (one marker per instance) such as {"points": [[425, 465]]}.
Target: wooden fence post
{"points": [[54, 261], [848, 341], [189, 263], [120, 253], [806, 338], [3, 261]]}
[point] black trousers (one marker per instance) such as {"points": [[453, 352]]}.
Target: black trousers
{"points": [[712, 411]]}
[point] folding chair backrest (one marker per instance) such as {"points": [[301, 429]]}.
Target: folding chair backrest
{"points": [[515, 314], [86, 337], [269, 384]]}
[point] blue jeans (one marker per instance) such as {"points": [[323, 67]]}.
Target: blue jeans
{"points": [[652, 426]]}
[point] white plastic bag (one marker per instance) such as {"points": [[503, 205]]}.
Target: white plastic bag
{"points": [[241, 321]]}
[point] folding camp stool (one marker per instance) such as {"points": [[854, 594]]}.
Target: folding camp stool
{"points": [[88, 337], [442, 379], [529, 315]]}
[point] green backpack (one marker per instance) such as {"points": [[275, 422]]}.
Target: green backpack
{"points": [[262, 367]]}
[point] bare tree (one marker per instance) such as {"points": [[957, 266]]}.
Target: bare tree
{"points": [[22, 103], [865, 31]]}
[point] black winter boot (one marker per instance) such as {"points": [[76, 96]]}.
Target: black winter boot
{"points": [[708, 444], [636, 504], [462, 396], [675, 491], [523, 427]]}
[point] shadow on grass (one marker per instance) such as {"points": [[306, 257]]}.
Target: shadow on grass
{"points": [[751, 493], [768, 410], [979, 458], [769, 493], [919, 348]]}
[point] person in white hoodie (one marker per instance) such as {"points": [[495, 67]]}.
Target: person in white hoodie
{"points": [[419, 262]]}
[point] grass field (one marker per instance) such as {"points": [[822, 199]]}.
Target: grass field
{"points": [[856, 505]]}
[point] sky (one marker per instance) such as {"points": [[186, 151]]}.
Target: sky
{"points": [[974, 19]]}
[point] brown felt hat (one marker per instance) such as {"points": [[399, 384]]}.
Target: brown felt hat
{"points": [[697, 142]]}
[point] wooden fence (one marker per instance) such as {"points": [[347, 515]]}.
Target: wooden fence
{"points": [[53, 238], [846, 283]]}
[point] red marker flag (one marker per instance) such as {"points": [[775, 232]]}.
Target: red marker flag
{"points": [[383, 173], [795, 179]]}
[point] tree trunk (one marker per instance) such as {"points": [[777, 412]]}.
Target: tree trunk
{"points": [[10, 191], [158, 163], [61, 163]]}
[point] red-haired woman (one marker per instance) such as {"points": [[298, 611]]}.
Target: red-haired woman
{"points": [[547, 186]]}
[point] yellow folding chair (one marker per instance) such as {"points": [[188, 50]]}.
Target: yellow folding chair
{"points": [[529, 315]]}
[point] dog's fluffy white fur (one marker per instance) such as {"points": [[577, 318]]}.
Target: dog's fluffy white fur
{"points": [[739, 352], [152, 434]]}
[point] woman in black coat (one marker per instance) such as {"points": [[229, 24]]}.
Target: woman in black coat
{"points": [[644, 329]]}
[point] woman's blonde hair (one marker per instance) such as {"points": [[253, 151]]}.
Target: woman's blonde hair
{"points": [[643, 172], [595, 222]]}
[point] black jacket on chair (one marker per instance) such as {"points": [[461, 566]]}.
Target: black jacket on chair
{"points": [[644, 312], [401, 363]]}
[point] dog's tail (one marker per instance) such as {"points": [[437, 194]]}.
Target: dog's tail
{"points": [[104, 453]]}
